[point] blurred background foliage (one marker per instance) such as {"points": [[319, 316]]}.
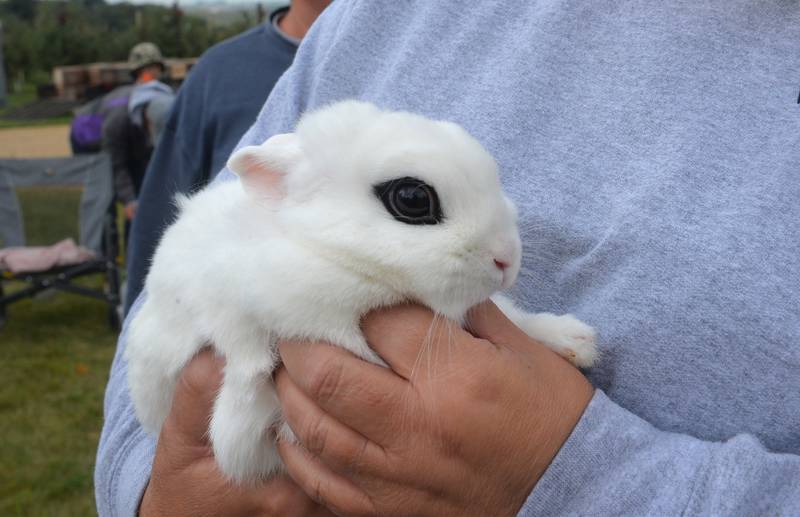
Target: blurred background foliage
{"points": [[41, 34]]}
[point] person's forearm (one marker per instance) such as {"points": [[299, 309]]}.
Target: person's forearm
{"points": [[123, 186], [640, 470], [125, 452]]}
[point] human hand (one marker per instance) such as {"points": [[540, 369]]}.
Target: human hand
{"points": [[185, 479], [463, 423], [130, 209]]}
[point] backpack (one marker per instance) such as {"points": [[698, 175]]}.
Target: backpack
{"points": [[86, 129]]}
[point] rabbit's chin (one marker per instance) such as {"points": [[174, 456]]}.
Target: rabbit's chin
{"points": [[455, 307]]}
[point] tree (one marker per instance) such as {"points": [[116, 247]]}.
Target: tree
{"points": [[23, 9], [46, 34]]}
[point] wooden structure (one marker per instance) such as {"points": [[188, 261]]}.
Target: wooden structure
{"points": [[78, 82]]}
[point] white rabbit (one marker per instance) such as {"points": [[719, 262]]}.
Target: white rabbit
{"points": [[359, 208]]}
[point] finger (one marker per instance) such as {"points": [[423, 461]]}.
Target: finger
{"points": [[193, 400], [322, 485], [412, 339], [282, 496], [341, 448], [365, 397]]}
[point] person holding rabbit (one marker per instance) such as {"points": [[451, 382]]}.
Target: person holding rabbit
{"points": [[651, 151]]}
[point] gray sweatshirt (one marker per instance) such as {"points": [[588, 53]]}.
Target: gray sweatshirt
{"points": [[653, 148]]}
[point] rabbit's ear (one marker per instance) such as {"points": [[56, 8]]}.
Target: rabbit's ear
{"points": [[263, 168]]}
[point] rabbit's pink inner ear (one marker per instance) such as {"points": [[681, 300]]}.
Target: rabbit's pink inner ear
{"points": [[264, 178], [259, 174]]}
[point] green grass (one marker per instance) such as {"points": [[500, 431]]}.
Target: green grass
{"points": [[55, 352], [54, 360], [25, 95], [49, 214]]}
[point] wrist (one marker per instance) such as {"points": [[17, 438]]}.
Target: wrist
{"points": [[570, 395], [147, 507]]}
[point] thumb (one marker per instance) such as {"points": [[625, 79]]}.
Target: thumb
{"points": [[487, 321], [194, 396]]}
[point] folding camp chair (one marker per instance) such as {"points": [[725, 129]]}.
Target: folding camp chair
{"points": [[97, 226]]}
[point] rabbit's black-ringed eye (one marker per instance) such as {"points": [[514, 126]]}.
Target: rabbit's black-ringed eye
{"points": [[410, 200]]}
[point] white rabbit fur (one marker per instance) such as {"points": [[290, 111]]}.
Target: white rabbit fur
{"points": [[302, 247]]}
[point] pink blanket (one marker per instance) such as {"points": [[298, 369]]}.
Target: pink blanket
{"points": [[32, 259]]}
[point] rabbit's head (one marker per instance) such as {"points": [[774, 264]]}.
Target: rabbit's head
{"points": [[404, 201]]}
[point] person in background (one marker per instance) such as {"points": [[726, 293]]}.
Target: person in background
{"points": [[155, 114], [86, 128], [126, 135], [214, 107], [149, 106]]}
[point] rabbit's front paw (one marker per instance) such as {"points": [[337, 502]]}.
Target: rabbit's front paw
{"points": [[566, 335], [574, 340]]}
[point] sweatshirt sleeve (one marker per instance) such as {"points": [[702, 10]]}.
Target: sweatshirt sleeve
{"points": [[125, 453], [615, 463]]}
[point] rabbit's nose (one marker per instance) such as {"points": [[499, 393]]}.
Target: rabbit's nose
{"points": [[501, 264]]}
